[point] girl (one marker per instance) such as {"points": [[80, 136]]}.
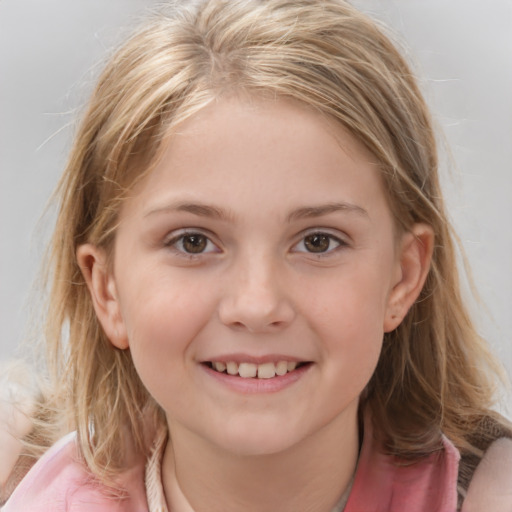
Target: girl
{"points": [[254, 303]]}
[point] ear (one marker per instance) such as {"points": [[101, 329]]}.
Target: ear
{"points": [[101, 284], [414, 257]]}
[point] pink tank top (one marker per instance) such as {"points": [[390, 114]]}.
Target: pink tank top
{"points": [[59, 482]]}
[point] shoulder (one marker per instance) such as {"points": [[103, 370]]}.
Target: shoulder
{"points": [[61, 482], [384, 482], [491, 485]]}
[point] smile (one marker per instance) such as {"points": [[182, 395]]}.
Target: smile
{"points": [[247, 370]]}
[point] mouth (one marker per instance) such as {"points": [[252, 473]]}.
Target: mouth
{"points": [[247, 370]]}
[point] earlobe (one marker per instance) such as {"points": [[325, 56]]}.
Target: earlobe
{"points": [[414, 264], [92, 261]]}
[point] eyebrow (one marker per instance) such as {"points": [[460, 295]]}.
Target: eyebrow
{"points": [[308, 212], [325, 209], [201, 210]]}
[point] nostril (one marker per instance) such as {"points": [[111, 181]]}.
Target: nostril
{"points": [[255, 314], [238, 326]]}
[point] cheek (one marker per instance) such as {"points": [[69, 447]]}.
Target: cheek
{"points": [[353, 340], [352, 302], [348, 318], [353, 344], [161, 333], [162, 317]]}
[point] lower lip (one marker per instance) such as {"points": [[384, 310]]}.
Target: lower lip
{"points": [[253, 385]]}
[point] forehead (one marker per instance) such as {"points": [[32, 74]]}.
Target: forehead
{"points": [[252, 149], [266, 122]]}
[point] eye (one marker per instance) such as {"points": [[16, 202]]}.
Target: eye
{"points": [[192, 243], [318, 243]]}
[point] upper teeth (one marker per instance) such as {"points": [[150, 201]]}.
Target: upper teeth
{"points": [[262, 371]]}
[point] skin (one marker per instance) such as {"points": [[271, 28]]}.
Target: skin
{"points": [[261, 177]]}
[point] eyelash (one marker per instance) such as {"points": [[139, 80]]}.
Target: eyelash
{"points": [[179, 239], [321, 236], [177, 243]]}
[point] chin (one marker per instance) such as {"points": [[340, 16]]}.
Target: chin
{"points": [[257, 439], [256, 446]]}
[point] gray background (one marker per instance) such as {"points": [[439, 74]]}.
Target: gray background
{"points": [[50, 52]]}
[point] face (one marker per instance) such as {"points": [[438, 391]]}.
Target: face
{"points": [[255, 272]]}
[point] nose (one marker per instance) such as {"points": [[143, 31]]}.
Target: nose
{"points": [[256, 299]]}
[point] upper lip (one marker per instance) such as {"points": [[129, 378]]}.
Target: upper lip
{"points": [[246, 358]]}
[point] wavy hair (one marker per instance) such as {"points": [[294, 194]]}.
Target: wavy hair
{"points": [[435, 374]]}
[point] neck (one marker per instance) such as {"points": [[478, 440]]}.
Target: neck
{"points": [[310, 476]]}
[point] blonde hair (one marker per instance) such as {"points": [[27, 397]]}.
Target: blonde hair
{"points": [[431, 377]]}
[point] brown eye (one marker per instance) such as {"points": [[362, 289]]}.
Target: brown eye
{"points": [[191, 243], [194, 244], [317, 242]]}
